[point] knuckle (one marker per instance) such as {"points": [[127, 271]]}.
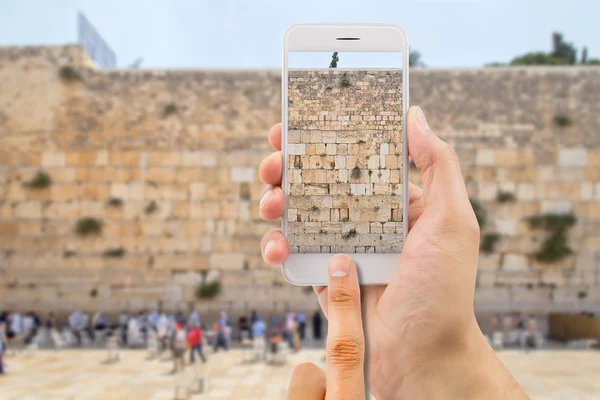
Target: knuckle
{"points": [[342, 297], [345, 352]]}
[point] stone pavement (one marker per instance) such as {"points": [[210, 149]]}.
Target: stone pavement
{"points": [[75, 374]]}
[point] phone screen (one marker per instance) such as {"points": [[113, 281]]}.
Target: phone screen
{"points": [[345, 152]]}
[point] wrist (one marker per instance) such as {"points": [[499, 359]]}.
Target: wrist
{"points": [[466, 370]]}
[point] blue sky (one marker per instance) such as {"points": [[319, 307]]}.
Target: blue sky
{"points": [[247, 34]]}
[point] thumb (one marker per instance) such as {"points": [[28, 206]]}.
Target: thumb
{"points": [[443, 183], [345, 339]]}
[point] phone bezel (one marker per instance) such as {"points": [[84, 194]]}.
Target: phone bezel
{"points": [[306, 269]]}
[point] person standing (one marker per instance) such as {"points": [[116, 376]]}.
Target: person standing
{"points": [[194, 340], [76, 325], [194, 318], [2, 346], [222, 332], [301, 319], [316, 325], [178, 343]]}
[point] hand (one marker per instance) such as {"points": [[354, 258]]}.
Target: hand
{"points": [[421, 334], [345, 342]]}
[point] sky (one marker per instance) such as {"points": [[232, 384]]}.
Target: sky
{"points": [[248, 34]]}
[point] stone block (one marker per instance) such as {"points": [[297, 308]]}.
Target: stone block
{"points": [[572, 157], [53, 159], [28, 210], [160, 174], [515, 263], [485, 157], [64, 192], [296, 149], [243, 174], [199, 159]]}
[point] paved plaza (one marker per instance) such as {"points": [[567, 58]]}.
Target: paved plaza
{"points": [[76, 374]]}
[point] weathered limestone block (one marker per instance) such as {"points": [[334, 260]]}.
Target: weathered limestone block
{"points": [[573, 157], [515, 263]]}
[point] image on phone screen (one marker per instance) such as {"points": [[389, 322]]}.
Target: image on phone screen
{"points": [[345, 152]]}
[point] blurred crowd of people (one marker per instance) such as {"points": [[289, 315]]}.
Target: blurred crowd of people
{"points": [[515, 330], [156, 330]]}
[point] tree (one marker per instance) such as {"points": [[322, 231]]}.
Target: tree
{"points": [[334, 60], [584, 55], [563, 50], [562, 53], [414, 59]]}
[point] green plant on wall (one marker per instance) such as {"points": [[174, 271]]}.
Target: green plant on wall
{"points": [[505, 197], [169, 110], [69, 73], [480, 212], [350, 234], [88, 227], [151, 207], [356, 173], [345, 82], [41, 180], [114, 253], [114, 202], [489, 242], [94, 293], [69, 254], [563, 120], [555, 247], [208, 290]]}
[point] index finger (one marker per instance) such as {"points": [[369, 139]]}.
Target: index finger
{"points": [[275, 136], [345, 340]]}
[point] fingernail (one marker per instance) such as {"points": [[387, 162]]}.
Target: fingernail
{"points": [[339, 266], [422, 120], [265, 197], [269, 246]]}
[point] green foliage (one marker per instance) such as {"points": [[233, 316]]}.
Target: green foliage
{"points": [[314, 209], [505, 197], [88, 227], [562, 53], [345, 82], [593, 61], [361, 142], [69, 254], [114, 202], [169, 110], [94, 292], [563, 50], [41, 180], [552, 222], [334, 60], [114, 253], [69, 73], [151, 207], [555, 247], [350, 234], [480, 212], [563, 120], [208, 290], [414, 59], [488, 242], [537, 58], [356, 173], [582, 294], [495, 64]]}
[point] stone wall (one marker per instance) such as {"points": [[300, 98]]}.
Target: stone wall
{"points": [[345, 161], [180, 150]]}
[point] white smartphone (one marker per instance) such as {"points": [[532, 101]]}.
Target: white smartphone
{"points": [[345, 97]]}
